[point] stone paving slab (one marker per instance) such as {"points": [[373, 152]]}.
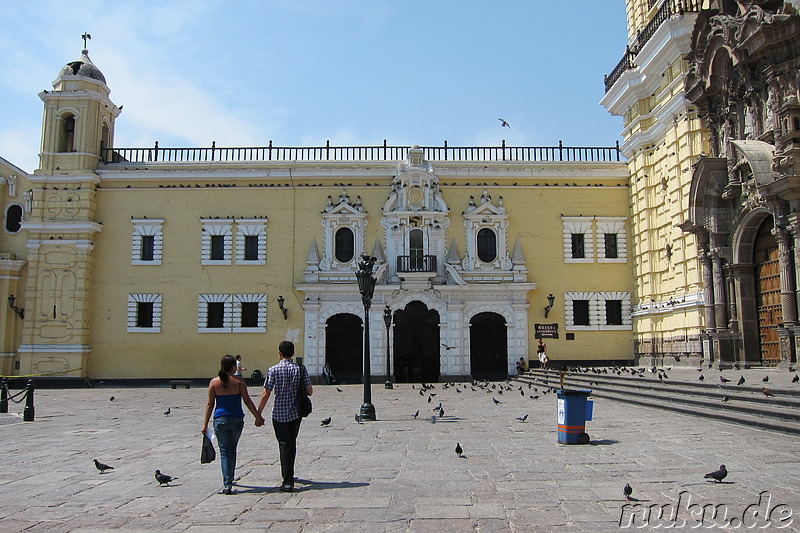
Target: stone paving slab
{"points": [[397, 474]]}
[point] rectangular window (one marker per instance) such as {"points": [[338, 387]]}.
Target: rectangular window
{"points": [[251, 247], [249, 314], [216, 315], [217, 247], [580, 312], [610, 241], [148, 247], [613, 312], [578, 246], [144, 314]]}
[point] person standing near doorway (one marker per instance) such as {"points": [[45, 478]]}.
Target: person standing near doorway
{"points": [[284, 380], [239, 367], [541, 351]]}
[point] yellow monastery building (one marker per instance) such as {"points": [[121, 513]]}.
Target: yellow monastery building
{"points": [[681, 246], [150, 263]]}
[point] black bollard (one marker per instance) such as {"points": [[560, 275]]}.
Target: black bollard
{"points": [[28, 412], [3, 395]]}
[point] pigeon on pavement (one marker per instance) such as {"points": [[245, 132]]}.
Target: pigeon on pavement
{"points": [[102, 467], [717, 475], [168, 411], [741, 381], [459, 450], [522, 418], [164, 479], [325, 421], [627, 490], [767, 392]]}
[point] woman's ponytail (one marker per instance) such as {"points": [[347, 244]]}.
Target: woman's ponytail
{"points": [[225, 365]]}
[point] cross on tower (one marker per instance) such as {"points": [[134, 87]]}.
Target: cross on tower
{"points": [[85, 36]]}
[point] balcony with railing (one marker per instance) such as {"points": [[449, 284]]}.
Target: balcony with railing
{"points": [[667, 10], [156, 154], [416, 263]]}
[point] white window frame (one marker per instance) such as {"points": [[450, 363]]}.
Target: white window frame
{"points": [[578, 225], [251, 227], [612, 225], [597, 310], [133, 308], [142, 227], [216, 227], [232, 317]]}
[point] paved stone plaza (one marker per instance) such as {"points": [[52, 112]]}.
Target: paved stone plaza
{"points": [[395, 474]]}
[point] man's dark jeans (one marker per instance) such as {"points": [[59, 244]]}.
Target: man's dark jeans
{"points": [[286, 433]]}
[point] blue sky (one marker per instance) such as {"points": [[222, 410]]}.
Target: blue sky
{"points": [[302, 72]]}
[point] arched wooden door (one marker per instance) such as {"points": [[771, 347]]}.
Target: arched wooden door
{"points": [[344, 347], [416, 344], [768, 292]]}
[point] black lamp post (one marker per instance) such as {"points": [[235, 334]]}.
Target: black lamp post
{"points": [[550, 301], [387, 319], [366, 286]]}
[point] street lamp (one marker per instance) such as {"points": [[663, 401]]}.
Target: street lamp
{"points": [[366, 286], [550, 301], [387, 319]]}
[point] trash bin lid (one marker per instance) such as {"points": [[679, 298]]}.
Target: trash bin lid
{"points": [[574, 392]]}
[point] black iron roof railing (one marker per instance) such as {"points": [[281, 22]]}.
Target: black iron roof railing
{"points": [[667, 10], [361, 153]]}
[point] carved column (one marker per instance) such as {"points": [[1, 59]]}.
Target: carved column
{"points": [[794, 229], [788, 274], [720, 312], [708, 291]]}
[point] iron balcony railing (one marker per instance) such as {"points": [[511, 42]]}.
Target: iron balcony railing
{"points": [[360, 153], [416, 263], [667, 10]]}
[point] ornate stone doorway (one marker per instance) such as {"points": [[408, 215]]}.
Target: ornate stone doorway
{"points": [[416, 344], [768, 292], [344, 347], [488, 343]]}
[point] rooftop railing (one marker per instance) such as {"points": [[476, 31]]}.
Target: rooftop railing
{"points": [[361, 153], [667, 10]]}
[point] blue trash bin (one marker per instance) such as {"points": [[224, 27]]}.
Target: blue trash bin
{"points": [[574, 409]]}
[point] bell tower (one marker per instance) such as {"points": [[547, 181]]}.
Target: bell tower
{"points": [[78, 125]]}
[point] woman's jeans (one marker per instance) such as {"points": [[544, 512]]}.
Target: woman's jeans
{"points": [[228, 430]]}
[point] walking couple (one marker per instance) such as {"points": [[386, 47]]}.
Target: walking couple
{"points": [[225, 396]]}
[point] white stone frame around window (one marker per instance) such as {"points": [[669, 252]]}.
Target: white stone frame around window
{"points": [[216, 227], [597, 310], [133, 309], [579, 225], [251, 227], [232, 314], [141, 228], [612, 225]]}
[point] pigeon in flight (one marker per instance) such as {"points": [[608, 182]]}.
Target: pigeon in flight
{"points": [[627, 490], [504, 123], [102, 467], [164, 479], [741, 381], [325, 421], [459, 450], [717, 475], [522, 418]]}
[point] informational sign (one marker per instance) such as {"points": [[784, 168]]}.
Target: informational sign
{"points": [[561, 414], [545, 331]]}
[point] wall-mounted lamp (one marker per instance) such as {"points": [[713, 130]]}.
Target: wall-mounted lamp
{"points": [[281, 301], [550, 300], [18, 310]]}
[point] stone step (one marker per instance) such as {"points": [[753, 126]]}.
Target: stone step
{"points": [[746, 405]]}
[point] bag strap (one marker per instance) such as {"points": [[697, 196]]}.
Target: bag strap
{"points": [[300, 388]]}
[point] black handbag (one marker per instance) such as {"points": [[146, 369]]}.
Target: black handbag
{"points": [[303, 401], [207, 453]]}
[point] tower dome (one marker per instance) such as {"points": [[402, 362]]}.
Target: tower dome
{"points": [[82, 67]]}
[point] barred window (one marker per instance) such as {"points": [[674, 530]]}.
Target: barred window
{"points": [[613, 312], [578, 249], [216, 315], [580, 312], [144, 314], [148, 248], [217, 247], [249, 315], [251, 247], [610, 242]]}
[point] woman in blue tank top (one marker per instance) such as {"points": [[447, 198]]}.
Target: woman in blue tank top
{"points": [[225, 396]]}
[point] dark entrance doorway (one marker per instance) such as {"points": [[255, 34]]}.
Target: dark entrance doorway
{"points": [[768, 292], [488, 343], [344, 347], [416, 344]]}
